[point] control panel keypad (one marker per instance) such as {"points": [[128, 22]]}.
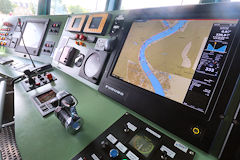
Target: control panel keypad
{"points": [[131, 139]]}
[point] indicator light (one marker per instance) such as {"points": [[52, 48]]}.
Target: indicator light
{"points": [[196, 130]]}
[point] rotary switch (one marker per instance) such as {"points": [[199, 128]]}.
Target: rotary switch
{"points": [[113, 153]]}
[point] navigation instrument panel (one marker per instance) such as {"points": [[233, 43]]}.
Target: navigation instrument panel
{"points": [[132, 139], [172, 60], [177, 69]]}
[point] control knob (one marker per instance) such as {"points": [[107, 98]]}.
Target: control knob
{"points": [[126, 129], [113, 153], [104, 144], [164, 156]]}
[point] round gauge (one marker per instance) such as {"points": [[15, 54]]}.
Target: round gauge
{"points": [[92, 65], [143, 144]]}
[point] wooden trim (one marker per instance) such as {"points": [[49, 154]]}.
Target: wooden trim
{"points": [[101, 25], [79, 28]]}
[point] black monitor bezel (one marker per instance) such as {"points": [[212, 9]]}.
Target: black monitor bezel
{"points": [[31, 50], [173, 116]]}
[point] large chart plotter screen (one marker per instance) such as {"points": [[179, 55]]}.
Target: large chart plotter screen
{"points": [[177, 59]]}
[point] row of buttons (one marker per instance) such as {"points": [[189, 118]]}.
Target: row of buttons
{"points": [[41, 78], [2, 43], [53, 30], [82, 37], [48, 45], [7, 24], [46, 50], [118, 23], [2, 38], [3, 34], [55, 25], [5, 29], [79, 43], [132, 156]]}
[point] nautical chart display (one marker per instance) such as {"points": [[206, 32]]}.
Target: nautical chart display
{"points": [[177, 59]]}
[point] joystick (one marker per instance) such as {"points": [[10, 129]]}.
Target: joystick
{"points": [[31, 81]]}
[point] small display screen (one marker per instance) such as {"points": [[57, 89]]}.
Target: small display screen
{"points": [[32, 34], [95, 22], [143, 144], [76, 22], [46, 96], [179, 59]]}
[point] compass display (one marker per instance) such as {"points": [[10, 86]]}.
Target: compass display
{"points": [[143, 144]]}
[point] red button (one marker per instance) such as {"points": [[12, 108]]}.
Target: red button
{"points": [[49, 76], [82, 37], [77, 36]]}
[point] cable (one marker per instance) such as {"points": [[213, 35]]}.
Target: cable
{"points": [[20, 25]]}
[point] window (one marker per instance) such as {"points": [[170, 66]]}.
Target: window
{"points": [[136, 4], [76, 6], [17, 8]]}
